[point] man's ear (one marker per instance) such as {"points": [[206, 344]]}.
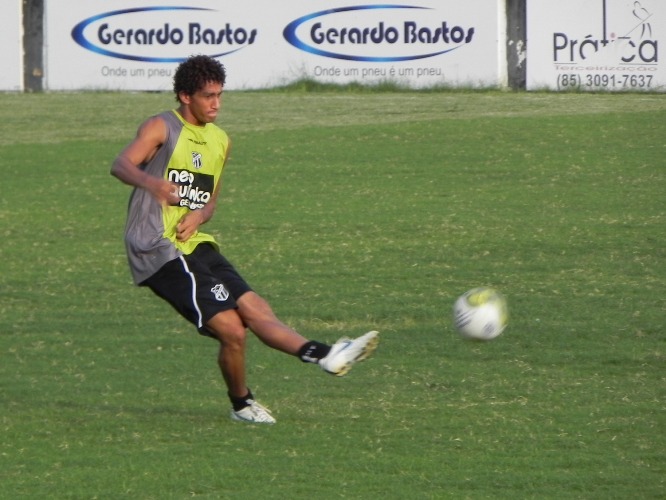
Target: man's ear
{"points": [[184, 97]]}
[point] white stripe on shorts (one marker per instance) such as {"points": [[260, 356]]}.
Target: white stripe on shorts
{"points": [[194, 292]]}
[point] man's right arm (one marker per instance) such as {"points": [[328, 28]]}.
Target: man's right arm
{"points": [[150, 136]]}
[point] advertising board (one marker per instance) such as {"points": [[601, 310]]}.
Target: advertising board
{"points": [[137, 45], [11, 55], [596, 45]]}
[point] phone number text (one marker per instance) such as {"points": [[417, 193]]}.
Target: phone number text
{"points": [[603, 81]]}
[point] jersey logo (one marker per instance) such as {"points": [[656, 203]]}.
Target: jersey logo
{"points": [[194, 188], [196, 160], [220, 293]]}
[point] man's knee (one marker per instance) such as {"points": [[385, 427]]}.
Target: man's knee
{"points": [[253, 308], [228, 328]]}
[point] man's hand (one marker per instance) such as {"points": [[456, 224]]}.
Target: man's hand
{"points": [[189, 225], [164, 191]]}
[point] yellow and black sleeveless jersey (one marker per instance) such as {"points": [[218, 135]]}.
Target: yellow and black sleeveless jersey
{"points": [[191, 157]]}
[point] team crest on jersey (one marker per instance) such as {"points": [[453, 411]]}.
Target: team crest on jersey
{"points": [[220, 293], [196, 160]]}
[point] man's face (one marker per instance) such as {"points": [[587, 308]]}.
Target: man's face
{"points": [[205, 103]]}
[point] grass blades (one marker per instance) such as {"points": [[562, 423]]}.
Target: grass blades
{"points": [[349, 211]]}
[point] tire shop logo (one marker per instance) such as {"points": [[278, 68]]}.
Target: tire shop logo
{"points": [[376, 33], [160, 35]]}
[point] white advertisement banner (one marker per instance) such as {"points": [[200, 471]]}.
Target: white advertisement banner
{"points": [[596, 45], [263, 43], [11, 55]]}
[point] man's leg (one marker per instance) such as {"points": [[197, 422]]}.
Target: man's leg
{"points": [[260, 318], [229, 330], [337, 359]]}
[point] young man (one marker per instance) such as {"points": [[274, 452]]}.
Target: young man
{"points": [[175, 164]]}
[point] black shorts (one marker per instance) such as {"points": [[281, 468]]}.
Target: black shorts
{"points": [[199, 285]]}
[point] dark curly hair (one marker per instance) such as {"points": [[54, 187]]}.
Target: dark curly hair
{"points": [[195, 72]]}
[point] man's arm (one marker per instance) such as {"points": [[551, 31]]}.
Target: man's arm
{"points": [[150, 136]]}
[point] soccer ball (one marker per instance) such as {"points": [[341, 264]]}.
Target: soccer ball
{"points": [[480, 314]]}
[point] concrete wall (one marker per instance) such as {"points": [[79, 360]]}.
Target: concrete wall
{"points": [[33, 45]]}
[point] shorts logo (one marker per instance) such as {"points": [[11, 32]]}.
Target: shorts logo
{"points": [[220, 292]]}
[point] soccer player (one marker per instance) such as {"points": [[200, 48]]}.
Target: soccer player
{"points": [[175, 163]]}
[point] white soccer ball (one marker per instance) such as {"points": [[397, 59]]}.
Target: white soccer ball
{"points": [[480, 314]]}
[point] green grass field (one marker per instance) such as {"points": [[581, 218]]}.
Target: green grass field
{"points": [[349, 211]]}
